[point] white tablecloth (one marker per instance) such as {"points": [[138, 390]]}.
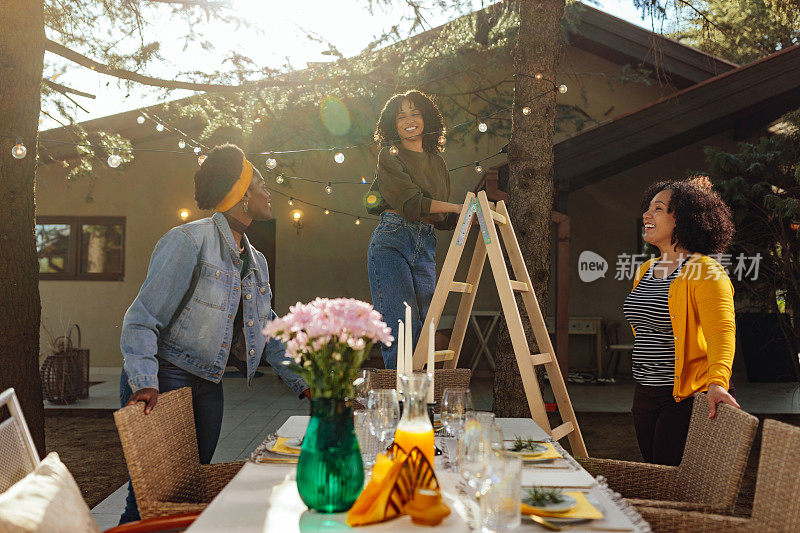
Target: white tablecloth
{"points": [[263, 498]]}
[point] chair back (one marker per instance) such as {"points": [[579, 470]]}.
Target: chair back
{"points": [[778, 481], [715, 455], [18, 455], [443, 378], [161, 450]]}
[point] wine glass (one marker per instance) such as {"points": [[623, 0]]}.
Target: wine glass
{"points": [[491, 429], [456, 406], [473, 455], [384, 414], [362, 385]]}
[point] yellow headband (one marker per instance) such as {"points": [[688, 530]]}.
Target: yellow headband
{"points": [[239, 188]]}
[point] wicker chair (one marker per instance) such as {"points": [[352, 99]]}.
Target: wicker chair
{"points": [[19, 456], [709, 475], [775, 506], [163, 461], [444, 378]]}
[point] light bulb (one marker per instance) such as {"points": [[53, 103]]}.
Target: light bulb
{"points": [[181, 144], [279, 179], [526, 111], [327, 212], [272, 163], [19, 150], [442, 140], [159, 127], [197, 150], [201, 159], [393, 150], [140, 119], [482, 127], [538, 75], [363, 180], [338, 157], [478, 168], [328, 188], [358, 221], [114, 160], [183, 214], [291, 201], [562, 89]]}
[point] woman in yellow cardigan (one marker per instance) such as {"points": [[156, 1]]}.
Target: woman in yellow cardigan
{"points": [[681, 311]]}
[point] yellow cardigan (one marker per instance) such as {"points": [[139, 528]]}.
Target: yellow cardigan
{"points": [[703, 323]]}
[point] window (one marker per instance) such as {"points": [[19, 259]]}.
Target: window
{"points": [[80, 248]]}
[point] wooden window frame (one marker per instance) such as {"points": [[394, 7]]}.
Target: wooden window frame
{"points": [[73, 271]]}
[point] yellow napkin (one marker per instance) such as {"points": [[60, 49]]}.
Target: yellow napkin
{"points": [[280, 447], [582, 509], [551, 453]]}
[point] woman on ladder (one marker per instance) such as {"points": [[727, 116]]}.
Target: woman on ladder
{"points": [[413, 188]]}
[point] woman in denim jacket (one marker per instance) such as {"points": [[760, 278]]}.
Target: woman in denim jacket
{"points": [[204, 303], [413, 188]]}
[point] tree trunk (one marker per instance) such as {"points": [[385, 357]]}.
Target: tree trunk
{"points": [[21, 62], [530, 157]]}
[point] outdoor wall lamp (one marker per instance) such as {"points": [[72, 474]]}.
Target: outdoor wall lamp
{"points": [[184, 214], [297, 219]]}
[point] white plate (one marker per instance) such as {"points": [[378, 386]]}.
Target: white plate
{"points": [[560, 507], [563, 521], [294, 444]]}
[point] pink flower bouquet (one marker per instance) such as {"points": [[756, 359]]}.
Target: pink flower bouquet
{"points": [[328, 340]]}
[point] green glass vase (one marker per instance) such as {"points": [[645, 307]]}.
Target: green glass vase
{"points": [[330, 471]]}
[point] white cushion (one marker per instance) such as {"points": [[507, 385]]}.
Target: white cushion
{"points": [[46, 500]]}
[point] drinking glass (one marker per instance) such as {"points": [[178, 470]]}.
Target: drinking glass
{"points": [[384, 414], [456, 406], [491, 429], [473, 452], [501, 498], [361, 386], [370, 446]]}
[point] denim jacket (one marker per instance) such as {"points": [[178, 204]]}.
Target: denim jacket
{"points": [[185, 310]]}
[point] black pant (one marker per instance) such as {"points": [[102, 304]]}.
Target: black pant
{"points": [[661, 424]]}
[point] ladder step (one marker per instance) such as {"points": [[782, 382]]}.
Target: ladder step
{"points": [[443, 355], [457, 286], [519, 286], [500, 219], [562, 431], [541, 358]]}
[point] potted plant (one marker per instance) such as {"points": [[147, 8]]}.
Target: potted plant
{"points": [[326, 342]]}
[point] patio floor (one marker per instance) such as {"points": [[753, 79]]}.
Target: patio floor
{"points": [[253, 413]]}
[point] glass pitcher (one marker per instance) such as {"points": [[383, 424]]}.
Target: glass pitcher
{"points": [[415, 429]]}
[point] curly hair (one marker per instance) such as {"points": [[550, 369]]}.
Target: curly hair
{"points": [[386, 127], [217, 175], [703, 221]]}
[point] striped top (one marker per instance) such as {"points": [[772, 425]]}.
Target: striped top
{"points": [[647, 310]]}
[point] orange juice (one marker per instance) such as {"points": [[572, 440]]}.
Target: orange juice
{"points": [[409, 437]]}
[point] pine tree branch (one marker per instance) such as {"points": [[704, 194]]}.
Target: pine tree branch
{"points": [[63, 89]]}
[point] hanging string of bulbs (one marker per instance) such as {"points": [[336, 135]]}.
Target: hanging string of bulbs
{"points": [[19, 150]]}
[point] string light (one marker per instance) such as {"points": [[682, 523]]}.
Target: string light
{"points": [[328, 188], [19, 151], [140, 119], [482, 127], [442, 140], [327, 211], [291, 201], [279, 179], [538, 75], [272, 163], [393, 150], [201, 159], [197, 150], [526, 111], [159, 127], [363, 180], [562, 89], [338, 157], [358, 221], [183, 214], [181, 144], [114, 160], [478, 167]]}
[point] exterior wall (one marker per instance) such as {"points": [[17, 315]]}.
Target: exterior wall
{"points": [[327, 257]]}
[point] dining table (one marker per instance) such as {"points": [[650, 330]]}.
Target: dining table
{"points": [[263, 496]]}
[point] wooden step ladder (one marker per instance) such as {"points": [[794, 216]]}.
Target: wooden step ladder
{"points": [[478, 207]]}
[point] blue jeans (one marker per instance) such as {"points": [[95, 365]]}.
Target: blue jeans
{"points": [[208, 403], [401, 263]]}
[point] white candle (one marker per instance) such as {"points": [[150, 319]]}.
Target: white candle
{"points": [[431, 363], [409, 344], [400, 352]]}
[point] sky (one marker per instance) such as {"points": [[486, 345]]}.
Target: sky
{"points": [[280, 36]]}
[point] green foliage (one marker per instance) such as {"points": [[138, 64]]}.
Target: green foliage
{"points": [[761, 184], [331, 370], [542, 496]]}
